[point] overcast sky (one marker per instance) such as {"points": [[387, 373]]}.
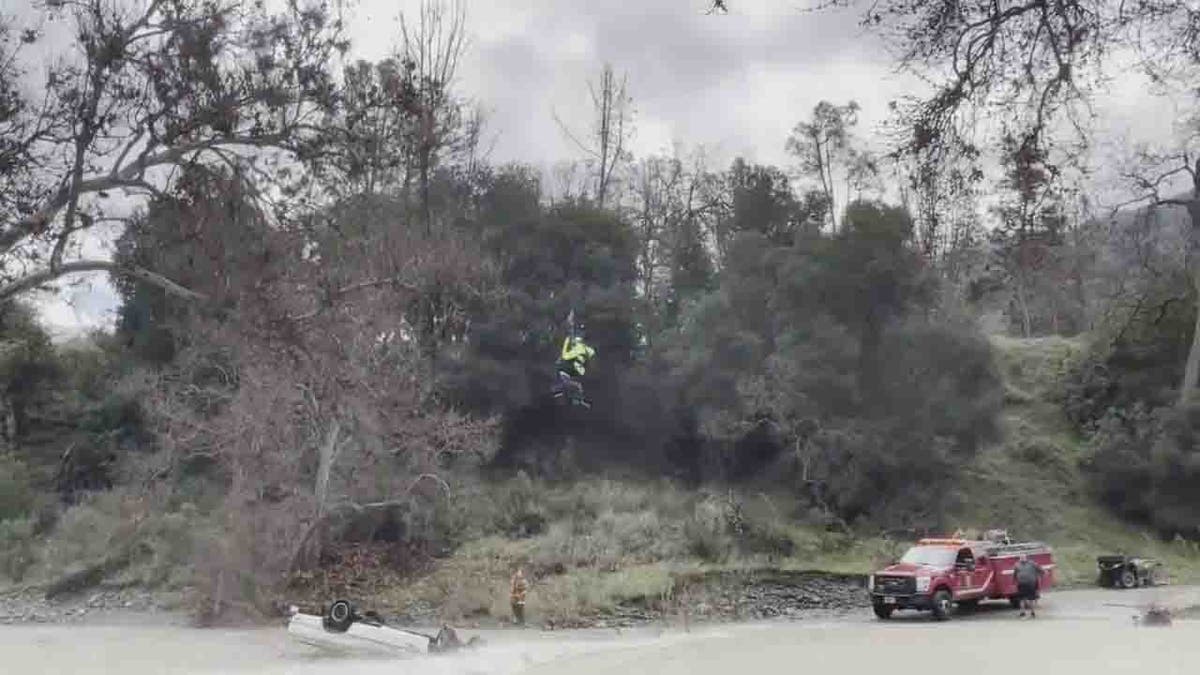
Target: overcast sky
{"points": [[734, 83]]}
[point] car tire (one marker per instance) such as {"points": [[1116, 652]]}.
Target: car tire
{"points": [[1127, 579], [943, 604], [883, 611], [339, 616]]}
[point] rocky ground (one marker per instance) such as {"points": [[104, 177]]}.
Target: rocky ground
{"points": [[754, 595], [707, 597], [741, 596], [31, 605]]}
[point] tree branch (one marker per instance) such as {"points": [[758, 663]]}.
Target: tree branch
{"points": [[362, 285], [35, 279], [128, 175]]}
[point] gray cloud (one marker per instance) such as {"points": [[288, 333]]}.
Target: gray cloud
{"points": [[737, 82]]}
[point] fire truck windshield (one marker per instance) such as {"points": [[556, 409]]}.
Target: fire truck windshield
{"points": [[933, 556]]}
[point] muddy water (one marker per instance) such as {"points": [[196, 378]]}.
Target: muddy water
{"points": [[1076, 632]]}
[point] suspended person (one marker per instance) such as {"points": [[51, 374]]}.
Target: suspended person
{"points": [[572, 364]]}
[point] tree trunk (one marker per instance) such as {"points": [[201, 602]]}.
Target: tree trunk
{"points": [[1187, 388], [328, 455], [8, 424], [1023, 305], [1191, 370]]}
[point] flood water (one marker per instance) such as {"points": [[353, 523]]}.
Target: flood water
{"points": [[1076, 632]]}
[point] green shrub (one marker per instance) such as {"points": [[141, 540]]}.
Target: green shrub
{"points": [[16, 490], [520, 510], [17, 548], [90, 531], [707, 532]]}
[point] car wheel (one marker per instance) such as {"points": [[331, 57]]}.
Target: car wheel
{"points": [[943, 604], [340, 616], [884, 611], [1128, 579]]}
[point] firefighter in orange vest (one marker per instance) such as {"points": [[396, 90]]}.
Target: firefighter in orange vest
{"points": [[517, 595]]}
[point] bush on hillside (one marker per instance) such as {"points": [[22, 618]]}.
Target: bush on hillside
{"points": [[1144, 448], [1146, 464], [16, 488], [18, 552]]}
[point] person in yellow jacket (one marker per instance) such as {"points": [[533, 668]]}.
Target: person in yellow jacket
{"points": [[572, 364], [517, 596]]}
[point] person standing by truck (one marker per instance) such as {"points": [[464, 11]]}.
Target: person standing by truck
{"points": [[1028, 575]]}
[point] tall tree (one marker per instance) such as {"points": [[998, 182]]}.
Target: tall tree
{"points": [[612, 127], [431, 50], [1171, 181], [827, 152], [761, 200], [668, 207], [144, 90]]}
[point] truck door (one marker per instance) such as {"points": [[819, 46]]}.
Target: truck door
{"points": [[964, 573], [983, 575]]}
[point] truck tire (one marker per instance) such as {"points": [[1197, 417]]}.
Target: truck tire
{"points": [[339, 616], [943, 604], [883, 611], [1127, 579]]}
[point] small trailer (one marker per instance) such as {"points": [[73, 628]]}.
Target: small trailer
{"points": [[341, 629], [1123, 571]]}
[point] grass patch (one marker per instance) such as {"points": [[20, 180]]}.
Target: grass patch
{"points": [[1031, 482]]}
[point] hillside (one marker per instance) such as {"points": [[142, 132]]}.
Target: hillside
{"points": [[598, 547], [619, 549], [1032, 481]]}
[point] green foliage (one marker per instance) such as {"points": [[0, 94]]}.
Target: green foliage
{"points": [[1146, 464], [1142, 363], [814, 359], [519, 512], [16, 488], [18, 552], [762, 202], [1143, 452], [552, 260], [210, 238]]}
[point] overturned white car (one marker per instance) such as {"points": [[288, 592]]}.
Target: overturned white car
{"points": [[342, 629]]}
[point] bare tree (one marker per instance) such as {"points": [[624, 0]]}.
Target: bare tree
{"points": [[655, 194], [431, 50], [613, 127], [312, 398]]}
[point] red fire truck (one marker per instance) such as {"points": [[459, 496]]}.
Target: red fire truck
{"points": [[937, 574]]}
